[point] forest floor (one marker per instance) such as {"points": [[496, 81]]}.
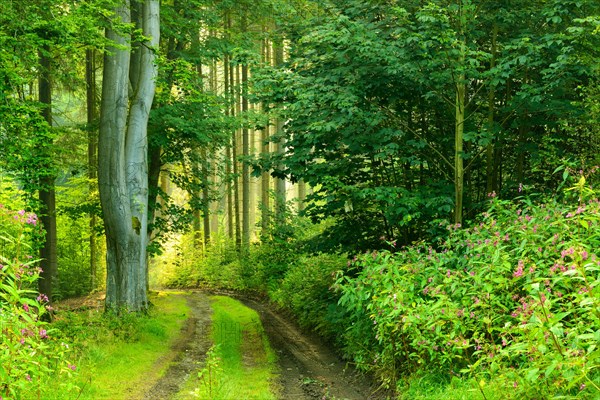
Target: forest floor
{"points": [[308, 368]]}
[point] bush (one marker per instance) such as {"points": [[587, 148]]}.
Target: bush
{"points": [[30, 355], [305, 290], [515, 299]]}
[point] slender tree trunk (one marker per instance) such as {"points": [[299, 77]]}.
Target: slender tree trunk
{"points": [[301, 194], [122, 154], [205, 197], [228, 162], [234, 154], [461, 89], [90, 78], [245, 153], [280, 190], [264, 137], [47, 196], [490, 159]]}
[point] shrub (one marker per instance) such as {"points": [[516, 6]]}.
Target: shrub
{"points": [[514, 298], [30, 354], [305, 290]]}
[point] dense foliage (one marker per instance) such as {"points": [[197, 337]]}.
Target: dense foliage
{"points": [[369, 95], [514, 299], [32, 353]]}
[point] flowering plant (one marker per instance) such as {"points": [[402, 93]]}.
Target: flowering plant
{"points": [[514, 298], [30, 354]]}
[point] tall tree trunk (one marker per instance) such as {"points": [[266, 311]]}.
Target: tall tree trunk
{"points": [[490, 159], [122, 154], [280, 190], [264, 137], [205, 197], [245, 153], [47, 196], [90, 78], [234, 154], [459, 126], [228, 171]]}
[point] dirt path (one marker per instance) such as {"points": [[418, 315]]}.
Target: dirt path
{"points": [[188, 353], [309, 369]]}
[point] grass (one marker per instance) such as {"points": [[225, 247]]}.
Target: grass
{"points": [[118, 356], [241, 364], [438, 387], [121, 357]]}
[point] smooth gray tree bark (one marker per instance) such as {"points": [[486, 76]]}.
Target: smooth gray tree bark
{"points": [[123, 153]]}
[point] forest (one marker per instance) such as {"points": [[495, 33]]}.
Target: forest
{"points": [[409, 183]]}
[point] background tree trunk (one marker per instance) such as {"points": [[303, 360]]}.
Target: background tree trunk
{"points": [[90, 78], [280, 190], [47, 198]]}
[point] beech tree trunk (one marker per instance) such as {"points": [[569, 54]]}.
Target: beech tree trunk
{"points": [[245, 167], [459, 127], [228, 163], [236, 109], [47, 198], [90, 78], [280, 189], [123, 152], [265, 148]]}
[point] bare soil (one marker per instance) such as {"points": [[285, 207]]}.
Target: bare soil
{"points": [[309, 369], [189, 351]]}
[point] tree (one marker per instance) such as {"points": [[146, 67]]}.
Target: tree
{"points": [[390, 107], [122, 151]]}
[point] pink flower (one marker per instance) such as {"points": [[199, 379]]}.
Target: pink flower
{"points": [[28, 377], [26, 307], [519, 271], [43, 334], [73, 367], [32, 219]]}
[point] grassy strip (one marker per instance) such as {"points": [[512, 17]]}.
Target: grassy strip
{"points": [[241, 365], [434, 386], [118, 355]]}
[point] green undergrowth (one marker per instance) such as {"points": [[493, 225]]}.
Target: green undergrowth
{"points": [[512, 300], [436, 386], [118, 355], [241, 363]]}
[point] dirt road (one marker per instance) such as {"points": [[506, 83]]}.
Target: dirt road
{"points": [[308, 369]]}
